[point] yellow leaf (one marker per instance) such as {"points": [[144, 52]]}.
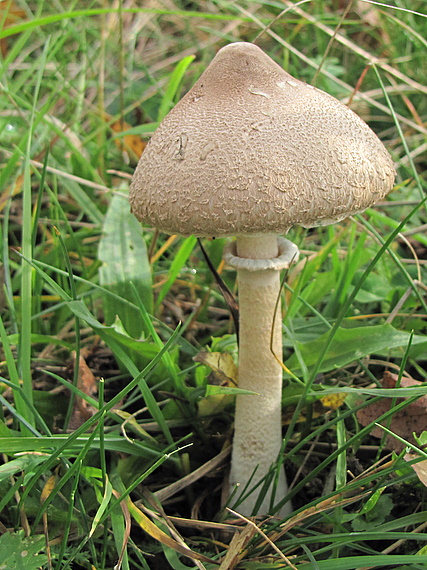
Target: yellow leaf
{"points": [[224, 373], [222, 365], [10, 14], [133, 424], [48, 488], [11, 191], [211, 405], [132, 144], [333, 401]]}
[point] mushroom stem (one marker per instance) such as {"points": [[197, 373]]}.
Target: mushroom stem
{"points": [[258, 427]]}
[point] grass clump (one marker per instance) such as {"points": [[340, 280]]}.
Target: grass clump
{"points": [[116, 418]]}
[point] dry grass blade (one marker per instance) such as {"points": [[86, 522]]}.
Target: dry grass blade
{"points": [[343, 84], [62, 174], [236, 550], [157, 513], [203, 526], [47, 490], [82, 90], [159, 535], [321, 507], [189, 479], [128, 524], [267, 539], [372, 59], [399, 543]]}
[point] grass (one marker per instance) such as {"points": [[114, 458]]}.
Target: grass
{"points": [[114, 428]]}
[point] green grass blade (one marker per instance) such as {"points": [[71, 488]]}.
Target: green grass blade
{"points": [[67, 527], [30, 405], [108, 492], [110, 337], [24, 358], [173, 86], [67, 441], [58, 17], [167, 359], [20, 403], [177, 264], [371, 561], [344, 310]]}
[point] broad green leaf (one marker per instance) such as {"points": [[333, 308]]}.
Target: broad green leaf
{"points": [[24, 463], [377, 515], [350, 344], [217, 398], [19, 553], [40, 339], [140, 352], [91, 472], [11, 445], [124, 258], [114, 340], [372, 501]]}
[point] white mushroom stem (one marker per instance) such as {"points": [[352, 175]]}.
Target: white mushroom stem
{"points": [[258, 427]]}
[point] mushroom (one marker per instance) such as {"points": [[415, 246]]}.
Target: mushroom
{"points": [[249, 152]]}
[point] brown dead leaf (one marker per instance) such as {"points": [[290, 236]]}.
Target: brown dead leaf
{"points": [[237, 549], [86, 382], [224, 370], [420, 468], [10, 13], [412, 419], [368, 13], [224, 373], [10, 192], [133, 145]]}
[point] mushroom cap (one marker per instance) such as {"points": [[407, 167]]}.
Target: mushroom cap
{"points": [[251, 150]]}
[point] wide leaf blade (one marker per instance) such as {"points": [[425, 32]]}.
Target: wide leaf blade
{"points": [[350, 344], [123, 253]]}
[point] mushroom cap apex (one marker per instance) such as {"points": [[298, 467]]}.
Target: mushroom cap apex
{"points": [[251, 150]]}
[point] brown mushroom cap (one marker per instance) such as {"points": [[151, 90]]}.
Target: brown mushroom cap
{"points": [[251, 150]]}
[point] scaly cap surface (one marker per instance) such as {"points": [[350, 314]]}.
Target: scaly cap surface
{"points": [[251, 150]]}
